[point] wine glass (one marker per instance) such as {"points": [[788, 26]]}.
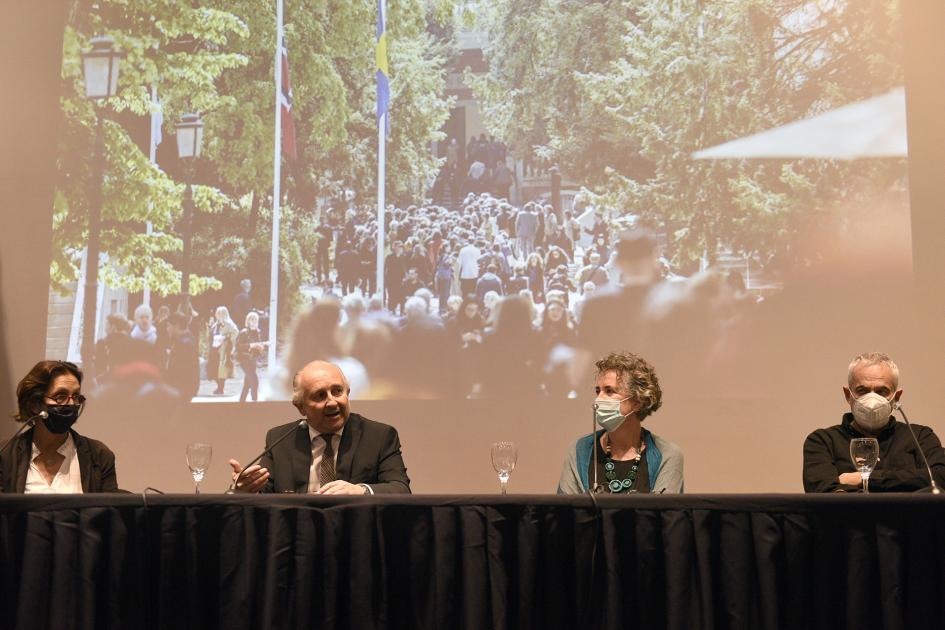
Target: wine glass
{"points": [[504, 456], [198, 460], [865, 453]]}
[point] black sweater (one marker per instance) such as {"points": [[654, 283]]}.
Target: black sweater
{"points": [[900, 467]]}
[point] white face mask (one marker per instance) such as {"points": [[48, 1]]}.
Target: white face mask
{"points": [[871, 412], [607, 413]]}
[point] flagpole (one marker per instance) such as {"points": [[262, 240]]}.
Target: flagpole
{"points": [[381, 167], [276, 197], [152, 155], [381, 158]]}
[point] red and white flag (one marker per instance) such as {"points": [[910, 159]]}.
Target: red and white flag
{"points": [[288, 124]]}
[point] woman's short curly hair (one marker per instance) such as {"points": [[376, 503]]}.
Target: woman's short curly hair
{"points": [[637, 376]]}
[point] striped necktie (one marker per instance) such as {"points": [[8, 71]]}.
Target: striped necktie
{"points": [[326, 468]]}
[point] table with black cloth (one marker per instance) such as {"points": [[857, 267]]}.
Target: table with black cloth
{"points": [[516, 562]]}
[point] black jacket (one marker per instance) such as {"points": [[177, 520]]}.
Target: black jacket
{"points": [[369, 453], [900, 467], [96, 464]]}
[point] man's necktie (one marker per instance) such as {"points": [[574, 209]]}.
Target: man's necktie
{"points": [[326, 468]]}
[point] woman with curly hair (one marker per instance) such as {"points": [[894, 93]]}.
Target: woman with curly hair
{"points": [[623, 457]]}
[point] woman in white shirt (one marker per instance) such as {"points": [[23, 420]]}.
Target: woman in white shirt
{"points": [[46, 455]]}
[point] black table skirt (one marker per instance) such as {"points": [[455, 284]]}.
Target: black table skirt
{"points": [[518, 562]]}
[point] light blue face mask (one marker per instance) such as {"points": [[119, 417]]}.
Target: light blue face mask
{"points": [[607, 413]]}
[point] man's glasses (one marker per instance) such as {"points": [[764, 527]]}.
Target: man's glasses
{"points": [[63, 399]]}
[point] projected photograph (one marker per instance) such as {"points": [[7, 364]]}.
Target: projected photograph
{"points": [[459, 199]]}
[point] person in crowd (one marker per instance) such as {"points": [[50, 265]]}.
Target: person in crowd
{"points": [[412, 282], [618, 317], [453, 304], [555, 257], [348, 263], [395, 268], [469, 257], [316, 334], [872, 392], [587, 292], [518, 280], [526, 229], [325, 236], [593, 272], [489, 281], [535, 271], [502, 180], [419, 259], [248, 350], [183, 363], [110, 349], [243, 302], [560, 282], [51, 457], [222, 333], [143, 328], [511, 352], [444, 276], [334, 452], [367, 254], [623, 457]]}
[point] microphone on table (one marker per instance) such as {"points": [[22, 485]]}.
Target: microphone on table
{"points": [[595, 487], [301, 424], [26, 425], [934, 488]]}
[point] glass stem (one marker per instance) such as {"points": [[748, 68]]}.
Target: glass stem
{"points": [[196, 487], [504, 483], [866, 482]]}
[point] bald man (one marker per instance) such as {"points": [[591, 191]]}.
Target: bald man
{"points": [[338, 452]]}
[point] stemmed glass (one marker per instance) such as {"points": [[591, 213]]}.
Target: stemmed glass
{"points": [[198, 460], [865, 453], [504, 456]]}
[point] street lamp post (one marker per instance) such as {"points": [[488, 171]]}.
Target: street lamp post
{"points": [[100, 70], [189, 143]]}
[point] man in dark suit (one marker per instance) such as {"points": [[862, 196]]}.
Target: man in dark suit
{"points": [[338, 452]]}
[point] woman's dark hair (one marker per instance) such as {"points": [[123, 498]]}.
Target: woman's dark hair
{"points": [[33, 387]]}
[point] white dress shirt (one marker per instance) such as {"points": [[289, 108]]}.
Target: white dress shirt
{"points": [[68, 479], [318, 449]]}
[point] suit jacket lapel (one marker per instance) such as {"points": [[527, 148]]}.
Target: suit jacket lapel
{"points": [[85, 462], [348, 447], [301, 460]]}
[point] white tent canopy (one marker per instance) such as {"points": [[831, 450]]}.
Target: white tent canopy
{"points": [[873, 128]]}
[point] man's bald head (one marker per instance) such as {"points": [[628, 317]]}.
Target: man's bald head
{"points": [[320, 392]]}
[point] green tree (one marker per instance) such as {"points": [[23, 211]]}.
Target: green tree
{"points": [[686, 75], [178, 49]]}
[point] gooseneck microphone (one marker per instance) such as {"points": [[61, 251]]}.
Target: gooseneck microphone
{"points": [[26, 425], [301, 424], [898, 407]]}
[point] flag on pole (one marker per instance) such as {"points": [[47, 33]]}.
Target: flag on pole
{"points": [[288, 124], [380, 53]]}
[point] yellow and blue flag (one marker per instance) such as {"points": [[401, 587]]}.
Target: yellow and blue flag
{"points": [[380, 53]]}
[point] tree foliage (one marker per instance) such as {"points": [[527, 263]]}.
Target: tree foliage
{"points": [[621, 93], [217, 59]]}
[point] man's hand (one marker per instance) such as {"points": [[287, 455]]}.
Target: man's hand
{"points": [[851, 479], [253, 480], [341, 487]]}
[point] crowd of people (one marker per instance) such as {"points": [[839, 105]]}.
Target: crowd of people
{"points": [[476, 294]]}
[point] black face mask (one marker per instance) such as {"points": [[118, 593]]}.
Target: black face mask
{"points": [[61, 417]]}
